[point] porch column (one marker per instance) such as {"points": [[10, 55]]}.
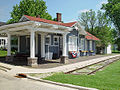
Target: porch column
{"points": [[9, 45], [9, 58], [18, 43], [32, 60], [32, 44], [64, 45], [43, 46], [64, 51]]}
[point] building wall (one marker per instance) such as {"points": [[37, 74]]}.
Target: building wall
{"points": [[108, 49], [53, 51]]}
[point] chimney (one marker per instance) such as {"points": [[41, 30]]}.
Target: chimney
{"points": [[38, 16], [59, 17]]}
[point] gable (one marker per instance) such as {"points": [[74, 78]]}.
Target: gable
{"points": [[78, 27], [23, 19]]}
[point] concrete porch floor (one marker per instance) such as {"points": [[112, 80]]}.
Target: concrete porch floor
{"points": [[56, 67], [56, 63]]}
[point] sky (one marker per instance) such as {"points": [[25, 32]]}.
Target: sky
{"points": [[70, 9]]}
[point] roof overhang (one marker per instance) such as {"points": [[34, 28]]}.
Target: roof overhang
{"points": [[26, 27]]}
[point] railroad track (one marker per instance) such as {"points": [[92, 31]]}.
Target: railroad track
{"points": [[100, 65]]}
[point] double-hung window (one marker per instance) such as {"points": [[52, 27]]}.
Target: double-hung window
{"points": [[90, 45], [56, 40], [82, 44], [72, 43], [48, 40]]}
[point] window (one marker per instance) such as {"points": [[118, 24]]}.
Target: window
{"points": [[72, 43], [0, 41], [56, 40], [81, 44], [90, 45], [86, 47], [4, 42], [48, 40]]}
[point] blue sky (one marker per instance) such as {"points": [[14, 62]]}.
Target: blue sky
{"points": [[70, 9]]}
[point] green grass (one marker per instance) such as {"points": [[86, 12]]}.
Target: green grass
{"points": [[115, 51], [108, 79], [3, 53]]}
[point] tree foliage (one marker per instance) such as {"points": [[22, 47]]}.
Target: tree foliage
{"points": [[112, 9], [99, 25], [31, 8]]}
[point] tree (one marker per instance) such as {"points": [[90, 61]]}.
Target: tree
{"points": [[98, 25], [31, 8], [92, 17], [102, 20], [112, 10], [88, 20], [84, 19], [105, 35]]}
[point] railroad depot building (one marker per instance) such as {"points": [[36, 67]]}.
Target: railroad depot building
{"points": [[40, 39]]}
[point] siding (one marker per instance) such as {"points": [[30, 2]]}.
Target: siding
{"points": [[52, 51]]}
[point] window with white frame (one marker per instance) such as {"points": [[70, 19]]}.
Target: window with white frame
{"points": [[90, 45], [2, 42], [82, 44], [48, 40], [72, 43], [56, 40]]}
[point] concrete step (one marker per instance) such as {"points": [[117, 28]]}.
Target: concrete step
{"points": [[4, 68]]}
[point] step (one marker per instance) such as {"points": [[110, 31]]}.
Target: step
{"points": [[4, 68]]}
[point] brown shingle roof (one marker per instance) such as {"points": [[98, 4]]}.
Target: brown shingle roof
{"points": [[49, 21], [91, 37]]}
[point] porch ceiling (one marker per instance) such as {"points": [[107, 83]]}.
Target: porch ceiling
{"points": [[26, 27]]}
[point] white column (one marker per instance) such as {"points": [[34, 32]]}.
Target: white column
{"points": [[32, 44], [64, 45], [42, 45], [9, 45], [18, 43], [36, 43]]}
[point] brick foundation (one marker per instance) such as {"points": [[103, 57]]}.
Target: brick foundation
{"points": [[9, 58], [32, 62], [64, 59]]}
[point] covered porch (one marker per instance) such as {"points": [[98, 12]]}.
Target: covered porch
{"points": [[35, 41]]}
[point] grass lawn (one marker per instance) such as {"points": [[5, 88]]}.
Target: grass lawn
{"points": [[108, 79], [3, 53], [115, 51]]}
